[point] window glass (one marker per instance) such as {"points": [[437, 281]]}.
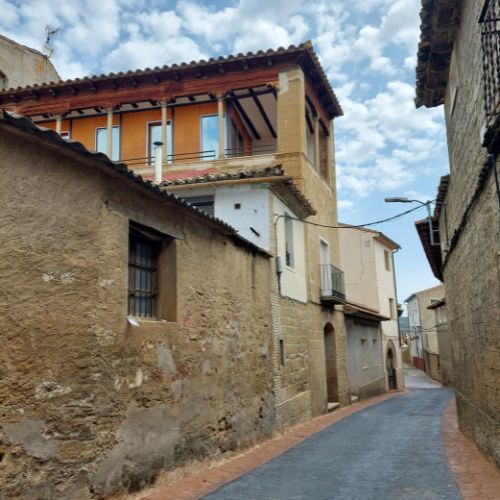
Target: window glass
{"points": [[209, 137], [205, 203], [154, 135], [101, 140]]}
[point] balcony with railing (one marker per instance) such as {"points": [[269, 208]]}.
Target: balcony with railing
{"points": [[332, 284], [490, 42]]}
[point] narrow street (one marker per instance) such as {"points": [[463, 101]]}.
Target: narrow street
{"points": [[390, 450]]}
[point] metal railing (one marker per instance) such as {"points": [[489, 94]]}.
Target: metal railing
{"points": [[260, 149], [332, 282], [208, 155], [490, 42]]}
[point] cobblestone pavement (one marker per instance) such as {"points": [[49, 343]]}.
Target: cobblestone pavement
{"points": [[392, 450]]}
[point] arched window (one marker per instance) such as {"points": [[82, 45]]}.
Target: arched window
{"points": [[3, 81]]}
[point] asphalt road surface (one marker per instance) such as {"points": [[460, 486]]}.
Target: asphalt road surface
{"points": [[392, 450]]}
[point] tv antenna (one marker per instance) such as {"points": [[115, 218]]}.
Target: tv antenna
{"points": [[50, 32]]}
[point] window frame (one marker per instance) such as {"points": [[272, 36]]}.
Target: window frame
{"points": [[170, 139], [119, 141]]}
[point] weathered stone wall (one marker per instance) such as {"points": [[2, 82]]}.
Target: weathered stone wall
{"points": [[445, 354], [472, 273], [88, 403], [23, 66]]}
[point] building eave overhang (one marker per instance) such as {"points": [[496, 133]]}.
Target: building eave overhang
{"points": [[438, 28], [302, 55], [441, 195], [282, 185], [432, 252], [52, 140], [437, 304], [363, 312]]}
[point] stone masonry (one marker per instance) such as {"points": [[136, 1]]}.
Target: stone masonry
{"points": [[90, 404], [472, 266]]}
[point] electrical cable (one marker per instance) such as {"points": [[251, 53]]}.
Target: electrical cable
{"points": [[348, 226]]}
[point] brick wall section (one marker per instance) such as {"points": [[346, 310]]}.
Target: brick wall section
{"points": [[88, 403], [472, 274]]}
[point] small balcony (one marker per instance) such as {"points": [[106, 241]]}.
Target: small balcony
{"points": [[332, 284]]}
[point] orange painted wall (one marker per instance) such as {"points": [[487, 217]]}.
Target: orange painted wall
{"points": [[134, 132], [186, 129]]}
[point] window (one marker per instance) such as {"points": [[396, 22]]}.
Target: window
{"points": [[236, 142], [205, 203], [154, 135], [102, 139], [209, 137], [289, 249], [392, 312], [142, 274], [490, 37], [282, 352], [152, 274], [3, 81], [387, 259]]}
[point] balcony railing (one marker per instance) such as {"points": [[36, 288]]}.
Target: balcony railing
{"points": [[200, 156], [490, 42], [332, 283]]}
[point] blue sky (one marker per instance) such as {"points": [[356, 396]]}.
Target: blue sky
{"points": [[384, 146]]}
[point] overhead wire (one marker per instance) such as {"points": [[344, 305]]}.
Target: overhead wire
{"points": [[349, 226]]}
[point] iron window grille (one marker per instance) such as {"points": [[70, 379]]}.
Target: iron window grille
{"points": [[144, 250], [490, 43]]}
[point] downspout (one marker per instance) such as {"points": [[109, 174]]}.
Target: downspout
{"points": [[396, 293]]}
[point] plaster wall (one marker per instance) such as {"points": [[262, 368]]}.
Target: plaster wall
{"points": [[358, 263], [90, 404], [24, 66], [366, 370]]}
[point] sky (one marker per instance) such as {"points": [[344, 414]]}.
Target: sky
{"points": [[384, 145]]}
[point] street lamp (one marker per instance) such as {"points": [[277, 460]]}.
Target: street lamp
{"points": [[426, 204]]}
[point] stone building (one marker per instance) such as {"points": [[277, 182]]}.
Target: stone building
{"points": [[424, 344], [458, 67], [444, 341], [126, 344], [237, 114], [367, 258], [21, 66]]}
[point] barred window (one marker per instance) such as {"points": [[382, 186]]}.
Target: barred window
{"points": [[144, 249], [490, 41]]}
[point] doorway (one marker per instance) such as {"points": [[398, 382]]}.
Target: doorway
{"points": [[331, 364], [391, 370]]}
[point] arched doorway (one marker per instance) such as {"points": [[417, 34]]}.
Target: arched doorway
{"points": [[391, 369], [331, 363]]}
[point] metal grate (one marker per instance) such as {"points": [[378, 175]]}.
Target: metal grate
{"points": [[142, 276], [490, 42]]}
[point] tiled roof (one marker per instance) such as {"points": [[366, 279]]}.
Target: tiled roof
{"points": [[442, 190], [187, 178], [51, 137], [304, 49], [438, 28], [301, 205]]}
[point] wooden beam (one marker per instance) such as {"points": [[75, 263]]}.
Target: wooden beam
{"points": [[191, 98], [93, 86], [263, 113], [113, 84], [54, 93], [244, 116]]}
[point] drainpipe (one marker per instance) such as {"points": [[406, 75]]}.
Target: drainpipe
{"points": [[158, 161], [109, 133], [58, 124], [396, 293]]}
